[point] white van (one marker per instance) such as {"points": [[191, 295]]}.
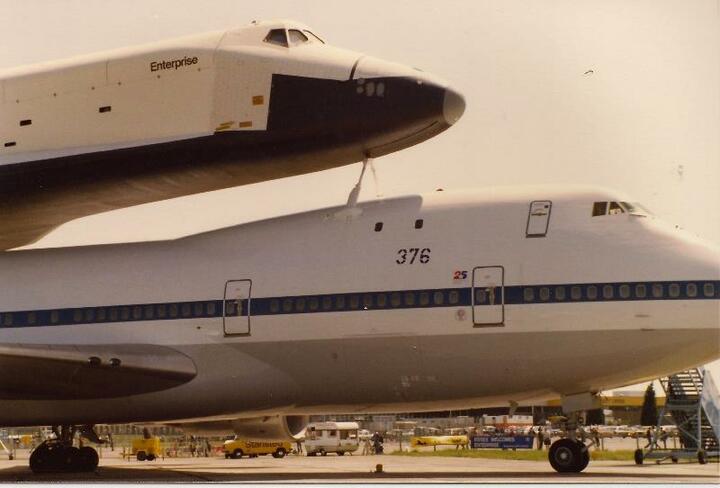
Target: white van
{"points": [[338, 437]]}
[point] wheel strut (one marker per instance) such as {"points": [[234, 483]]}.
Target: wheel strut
{"points": [[58, 455]]}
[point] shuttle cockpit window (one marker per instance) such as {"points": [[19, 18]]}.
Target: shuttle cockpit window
{"points": [[277, 37], [311, 34], [297, 37], [618, 208]]}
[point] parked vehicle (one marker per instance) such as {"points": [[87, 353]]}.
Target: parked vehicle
{"points": [[238, 448], [146, 448], [338, 437]]}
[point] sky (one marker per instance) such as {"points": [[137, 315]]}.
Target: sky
{"points": [[620, 94]]}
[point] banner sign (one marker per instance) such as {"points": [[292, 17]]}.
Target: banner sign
{"points": [[502, 442]]}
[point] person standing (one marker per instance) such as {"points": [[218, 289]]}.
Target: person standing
{"points": [[366, 447], [539, 436]]}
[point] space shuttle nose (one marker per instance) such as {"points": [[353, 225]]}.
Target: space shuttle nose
{"points": [[453, 106]]}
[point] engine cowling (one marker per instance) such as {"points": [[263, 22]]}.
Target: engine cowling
{"points": [[280, 427], [271, 427]]}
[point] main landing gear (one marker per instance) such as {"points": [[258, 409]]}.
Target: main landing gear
{"points": [[570, 454], [59, 455]]}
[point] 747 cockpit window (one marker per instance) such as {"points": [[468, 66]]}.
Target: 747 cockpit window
{"points": [[277, 37], [617, 208]]}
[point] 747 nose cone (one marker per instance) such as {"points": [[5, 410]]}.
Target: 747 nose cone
{"points": [[453, 106]]}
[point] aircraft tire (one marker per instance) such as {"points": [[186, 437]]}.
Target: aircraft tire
{"points": [[566, 456], [639, 457], [702, 457], [88, 459], [585, 456], [41, 459]]}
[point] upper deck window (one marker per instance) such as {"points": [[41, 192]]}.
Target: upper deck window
{"points": [[297, 37], [277, 37]]}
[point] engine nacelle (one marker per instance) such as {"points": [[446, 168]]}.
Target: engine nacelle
{"points": [[280, 427], [271, 427]]}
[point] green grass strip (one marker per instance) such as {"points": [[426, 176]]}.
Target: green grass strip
{"points": [[519, 455]]}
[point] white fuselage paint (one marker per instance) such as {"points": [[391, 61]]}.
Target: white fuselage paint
{"points": [[381, 359]]}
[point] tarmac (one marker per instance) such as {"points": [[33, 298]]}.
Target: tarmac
{"points": [[360, 469]]}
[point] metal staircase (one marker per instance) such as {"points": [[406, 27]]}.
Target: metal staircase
{"points": [[691, 399]]}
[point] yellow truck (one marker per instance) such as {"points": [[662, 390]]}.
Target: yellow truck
{"points": [[237, 448], [146, 449]]}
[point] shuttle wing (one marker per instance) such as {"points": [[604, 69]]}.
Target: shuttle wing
{"points": [[60, 372], [34, 201]]}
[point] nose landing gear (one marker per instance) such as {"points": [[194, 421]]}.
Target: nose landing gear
{"points": [[58, 455]]}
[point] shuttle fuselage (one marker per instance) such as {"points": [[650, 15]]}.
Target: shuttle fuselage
{"points": [[137, 125]]}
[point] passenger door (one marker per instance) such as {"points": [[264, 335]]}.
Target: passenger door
{"points": [[236, 307], [488, 297]]}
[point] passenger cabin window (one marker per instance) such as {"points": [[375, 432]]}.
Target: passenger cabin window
{"points": [[575, 293], [544, 293], [624, 291], [529, 294], [277, 37], [709, 290], [657, 290], [592, 292], [297, 37], [640, 291], [608, 292]]}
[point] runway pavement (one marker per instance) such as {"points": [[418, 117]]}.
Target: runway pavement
{"points": [[334, 469]]}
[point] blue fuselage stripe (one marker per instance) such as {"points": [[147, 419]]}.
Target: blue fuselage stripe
{"points": [[373, 300]]}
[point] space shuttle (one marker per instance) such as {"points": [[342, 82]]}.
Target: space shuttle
{"points": [[446, 300], [178, 117]]}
